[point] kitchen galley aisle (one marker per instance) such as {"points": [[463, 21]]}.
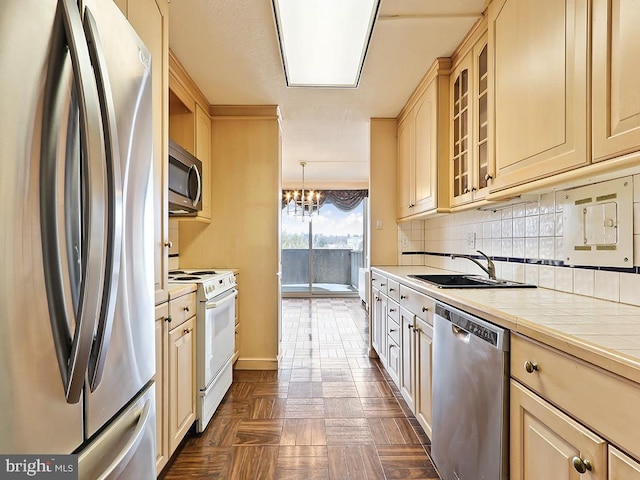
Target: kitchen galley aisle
{"points": [[327, 413]]}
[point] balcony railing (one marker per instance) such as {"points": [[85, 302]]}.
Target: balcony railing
{"points": [[329, 265]]}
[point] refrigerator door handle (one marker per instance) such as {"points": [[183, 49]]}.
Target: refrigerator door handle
{"points": [[72, 353], [114, 203], [129, 449]]}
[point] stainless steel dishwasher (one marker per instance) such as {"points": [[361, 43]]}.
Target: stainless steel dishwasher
{"points": [[470, 397]]}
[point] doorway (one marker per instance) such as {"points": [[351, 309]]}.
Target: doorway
{"points": [[322, 256]]}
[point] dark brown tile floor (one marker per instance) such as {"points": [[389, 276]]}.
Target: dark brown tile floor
{"points": [[329, 412]]}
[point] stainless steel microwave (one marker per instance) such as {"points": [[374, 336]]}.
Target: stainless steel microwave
{"points": [[185, 181]]}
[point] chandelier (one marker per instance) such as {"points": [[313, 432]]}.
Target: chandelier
{"points": [[303, 203]]}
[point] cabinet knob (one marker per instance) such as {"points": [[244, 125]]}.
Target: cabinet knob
{"points": [[417, 329], [186, 309], [466, 190], [391, 289], [488, 177], [581, 465], [168, 244], [168, 319], [410, 326], [382, 284], [402, 297], [425, 309], [473, 189], [393, 330], [187, 330], [392, 309], [531, 367], [378, 299]]}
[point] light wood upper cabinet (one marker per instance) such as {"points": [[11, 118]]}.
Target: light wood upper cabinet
{"points": [[150, 20], [538, 59], [547, 444], [615, 70], [406, 162], [423, 146], [461, 132], [472, 166], [426, 150], [190, 127], [203, 153]]}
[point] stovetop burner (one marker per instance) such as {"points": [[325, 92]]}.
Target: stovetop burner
{"points": [[210, 282]]}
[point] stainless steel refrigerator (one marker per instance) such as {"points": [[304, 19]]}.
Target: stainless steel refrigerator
{"points": [[76, 284]]}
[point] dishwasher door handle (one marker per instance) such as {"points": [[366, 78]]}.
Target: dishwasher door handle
{"points": [[460, 333]]}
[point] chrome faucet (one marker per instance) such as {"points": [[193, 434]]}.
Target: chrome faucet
{"points": [[490, 269]]}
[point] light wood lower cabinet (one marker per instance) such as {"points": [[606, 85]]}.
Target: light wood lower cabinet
{"points": [[621, 466], [547, 444], [377, 327], [162, 401], [393, 361], [182, 405], [408, 357], [558, 402], [424, 374], [236, 351]]}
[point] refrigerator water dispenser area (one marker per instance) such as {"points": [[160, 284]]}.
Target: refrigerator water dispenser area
{"points": [[598, 224]]}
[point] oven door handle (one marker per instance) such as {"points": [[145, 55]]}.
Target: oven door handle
{"points": [[222, 301]]}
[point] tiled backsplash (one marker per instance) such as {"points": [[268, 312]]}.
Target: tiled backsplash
{"points": [[527, 239]]}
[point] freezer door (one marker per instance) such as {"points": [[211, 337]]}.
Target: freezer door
{"points": [[126, 359], [34, 414], [126, 448]]}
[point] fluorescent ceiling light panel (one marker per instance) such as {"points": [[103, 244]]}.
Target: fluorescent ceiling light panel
{"points": [[324, 42]]}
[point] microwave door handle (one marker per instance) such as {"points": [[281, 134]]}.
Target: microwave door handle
{"points": [[194, 169], [72, 353], [114, 203]]}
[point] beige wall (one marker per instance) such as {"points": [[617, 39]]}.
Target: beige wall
{"points": [[382, 192], [244, 230]]}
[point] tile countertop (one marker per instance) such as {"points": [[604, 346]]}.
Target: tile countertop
{"points": [[606, 334]]}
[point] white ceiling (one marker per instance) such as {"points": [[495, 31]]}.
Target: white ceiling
{"points": [[230, 49]]}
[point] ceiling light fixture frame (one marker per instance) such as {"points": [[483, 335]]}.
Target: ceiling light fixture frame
{"points": [[283, 55]]}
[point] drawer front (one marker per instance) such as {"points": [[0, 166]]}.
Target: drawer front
{"points": [[600, 400], [417, 303], [393, 331], [393, 310], [379, 282], [393, 290], [182, 309]]}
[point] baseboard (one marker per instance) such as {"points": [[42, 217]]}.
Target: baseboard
{"points": [[256, 364]]}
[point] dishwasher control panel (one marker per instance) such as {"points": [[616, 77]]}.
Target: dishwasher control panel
{"points": [[484, 330]]}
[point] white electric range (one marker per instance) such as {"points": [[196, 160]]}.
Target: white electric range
{"points": [[215, 336]]}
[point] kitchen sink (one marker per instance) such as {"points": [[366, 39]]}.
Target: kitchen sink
{"points": [[468, 281]]}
